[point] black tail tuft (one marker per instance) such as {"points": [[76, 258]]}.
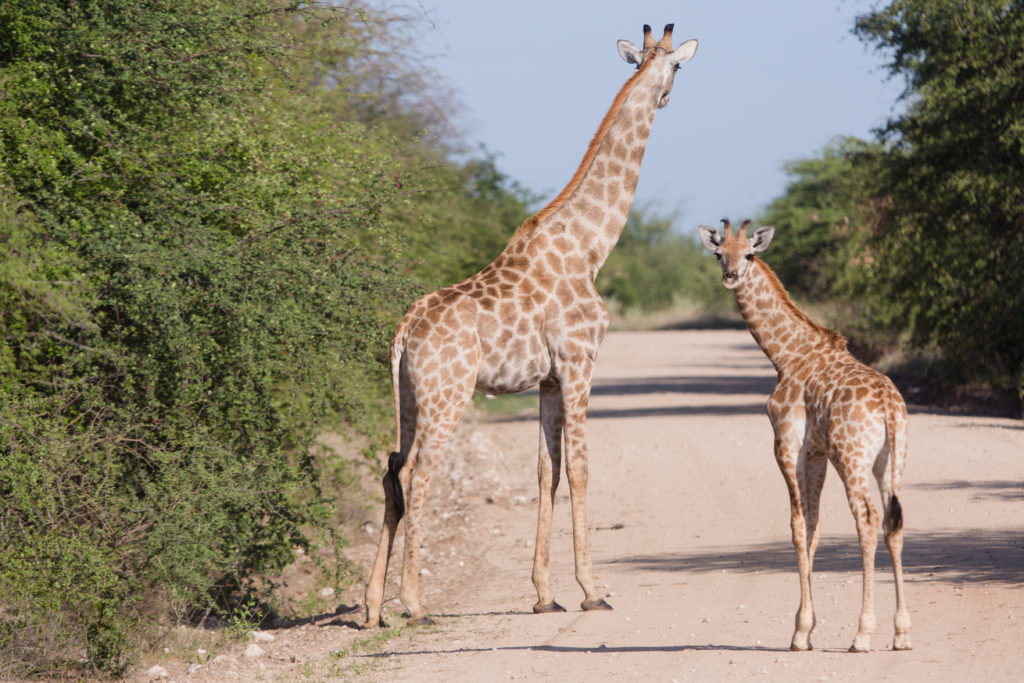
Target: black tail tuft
{"points": [[894, 520], [392, 486]]}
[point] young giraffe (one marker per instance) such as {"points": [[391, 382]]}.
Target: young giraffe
{"points": [[531, 317], [826, 407]]}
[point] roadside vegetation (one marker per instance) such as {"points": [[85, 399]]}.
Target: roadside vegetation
{"points": [[212, 213], [916, 238]]}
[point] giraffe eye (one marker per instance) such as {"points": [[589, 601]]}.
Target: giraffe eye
{"points": [[750, 257]]}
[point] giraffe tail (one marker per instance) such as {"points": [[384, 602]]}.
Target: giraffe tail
{"points": [[397, 458], [897, 456], [392, 485]]}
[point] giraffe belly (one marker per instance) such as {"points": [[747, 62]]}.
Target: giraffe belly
{"points": [[504, 377]]}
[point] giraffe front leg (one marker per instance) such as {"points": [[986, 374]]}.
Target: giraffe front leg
{"points": [[805, 620], [548, 465], [575, 397], [787, 452]]}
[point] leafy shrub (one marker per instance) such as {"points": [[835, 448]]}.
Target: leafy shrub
{"points": [[188, 295]]}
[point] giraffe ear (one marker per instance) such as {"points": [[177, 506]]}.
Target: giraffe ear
{"points": [[710, 237], [684, 52], [762, 238], [630, 52]]}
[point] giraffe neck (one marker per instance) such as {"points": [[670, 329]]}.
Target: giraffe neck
{"points": [[784, 332], [588, 216]]}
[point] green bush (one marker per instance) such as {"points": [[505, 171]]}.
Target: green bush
{"points": [[188, 295]]}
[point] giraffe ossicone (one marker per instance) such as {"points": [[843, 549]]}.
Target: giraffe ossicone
{"points": [[826, 407], [532, 317]]}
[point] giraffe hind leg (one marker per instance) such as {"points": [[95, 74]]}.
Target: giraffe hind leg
{"points": [[399, 464], [888, 477], [893, 528], [394, 509], [867, 533]]}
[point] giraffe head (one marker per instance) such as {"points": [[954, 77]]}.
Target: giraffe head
{"points": [[659, 57], [735, 251]]}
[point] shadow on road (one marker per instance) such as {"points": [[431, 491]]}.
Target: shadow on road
{"points": [[983, 490], [596, 649], [974, 555], [759, 387], [728, 385]]}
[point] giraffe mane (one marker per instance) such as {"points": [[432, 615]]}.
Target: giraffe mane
{"points": [[833, 338], [595, 143]]}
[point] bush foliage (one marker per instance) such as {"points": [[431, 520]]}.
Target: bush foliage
{"points": [[953, 238], [198, 201], [920, 234]]}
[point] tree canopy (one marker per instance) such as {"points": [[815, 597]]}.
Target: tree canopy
{"points": [[922, 230], [953, 239]]}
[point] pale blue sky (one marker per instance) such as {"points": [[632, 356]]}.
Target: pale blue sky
{"points": [[771, 82]]}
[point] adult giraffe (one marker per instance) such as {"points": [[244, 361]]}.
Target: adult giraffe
{"points": [[826, 407], [531, 317]]}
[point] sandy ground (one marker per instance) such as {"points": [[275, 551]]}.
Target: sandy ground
{"points": [[689, 526]]}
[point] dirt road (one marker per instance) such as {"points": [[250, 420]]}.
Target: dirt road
{"points": [[690, 537]]}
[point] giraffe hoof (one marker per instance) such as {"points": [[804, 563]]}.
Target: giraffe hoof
{"points": [[588, 605], [547, 608], [799, 648], [370, 624], [902, 643]]}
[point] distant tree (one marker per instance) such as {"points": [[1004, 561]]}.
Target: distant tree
{"points": [[822, 218], [653, 267]]}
